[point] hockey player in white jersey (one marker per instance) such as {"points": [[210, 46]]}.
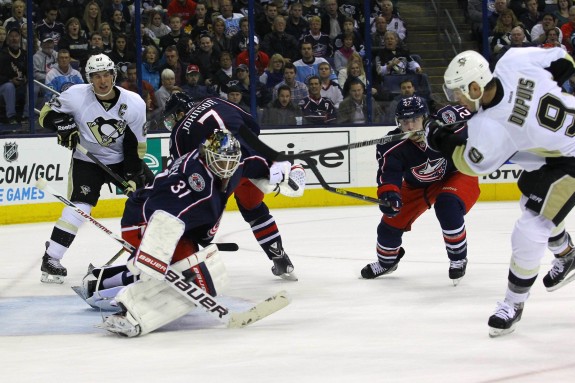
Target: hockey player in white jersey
{"points": [[522, 116], [109, 122]]}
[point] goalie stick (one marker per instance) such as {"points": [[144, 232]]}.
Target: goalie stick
{"points": [[232, 319]]}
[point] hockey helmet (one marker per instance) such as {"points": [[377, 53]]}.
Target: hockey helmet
{"points": [[100, 63], [411, 107], [222, 153], [465, 68], [179, 102]]}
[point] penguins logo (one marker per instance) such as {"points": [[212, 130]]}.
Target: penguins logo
{"points": [[107, 132]]}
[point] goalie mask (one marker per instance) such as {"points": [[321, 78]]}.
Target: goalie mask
{"points": [[97, 64], [465, 68], [176, 108], [222, 153]]}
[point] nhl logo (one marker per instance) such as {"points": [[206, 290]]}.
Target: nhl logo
{"points": [[10, 151]]}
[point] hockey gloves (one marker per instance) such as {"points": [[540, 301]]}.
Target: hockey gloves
{"points": [[393, 203], [279, 171], [442, 138], [135, 181], [66, 128]]}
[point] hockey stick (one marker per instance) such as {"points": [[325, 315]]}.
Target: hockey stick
{"points": [[189, 290], [121, 181], [273, 155]]}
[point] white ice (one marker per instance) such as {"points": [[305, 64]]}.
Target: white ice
{"points": [[410, 326]]}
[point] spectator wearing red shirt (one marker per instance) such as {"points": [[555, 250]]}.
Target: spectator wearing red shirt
{"points": [[183, 8], [568, 28], [262, 59]]}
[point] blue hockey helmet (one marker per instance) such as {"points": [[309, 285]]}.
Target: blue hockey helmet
{"points": [[179, 102], [411, 107]]}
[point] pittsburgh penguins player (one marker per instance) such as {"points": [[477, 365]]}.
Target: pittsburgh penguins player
{"points": [[109, 122]]}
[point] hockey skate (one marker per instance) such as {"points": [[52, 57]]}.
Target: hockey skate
{"points": [[52, 270], [376, 269], [120, 324], [457, 270], [505, 318], [562, 272], [282, 267]]}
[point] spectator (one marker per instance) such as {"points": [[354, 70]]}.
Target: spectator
{"points": [[107, 37], [353, 110], [282, 111], [349, 29], [239, 41], [539, 31], [308, 64], [116, 5], [199, 24], [329, 88], [43, 61], [92, 17], [532, 16], [406, 89], [235, 96], [263, 95], [168, 79], [75, 43], [343, 72], [265, 20], [377, 37], [207, 58], [193, 86], [502, 31], [517, 40], [280, 42], [219, 38], [274, 74], [173, 62], [131, 82], [298, 89], [2, 37], [176, 33], [296, 24], [18, 17], [262, 59], [321, 42], [224, 76], [394, 22], [315, 108], [14, 76], [343, 54], [310, 9], [185, 47], [395, 59], [231, 19], [118, 24], [500, 6], [151, 66], [50, 27], [62, 75], [241, 6], [331, 20], [568, 29], [185, 9], [156, 24], [562, 11], [553, 39], [122, 55], [96, 44]]}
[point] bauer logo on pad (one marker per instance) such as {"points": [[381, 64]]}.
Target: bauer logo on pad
{"points": [[152, 263]]}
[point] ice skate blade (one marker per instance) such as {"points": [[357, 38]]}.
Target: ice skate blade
{"points": [[497, 332], [565, 281], [48, 278], [456, 281], [289, 276]]}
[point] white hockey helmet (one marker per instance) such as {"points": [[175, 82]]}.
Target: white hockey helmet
{"points": [[465, 68], [222, 153], [100, 63]]}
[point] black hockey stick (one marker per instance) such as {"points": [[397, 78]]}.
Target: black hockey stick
{"points": [[122, 183], [273, 155]]}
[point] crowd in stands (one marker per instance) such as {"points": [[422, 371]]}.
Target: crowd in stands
{"points": [[310, 50]]}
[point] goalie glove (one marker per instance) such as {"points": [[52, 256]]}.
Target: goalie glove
{"points": [[66, 128]]}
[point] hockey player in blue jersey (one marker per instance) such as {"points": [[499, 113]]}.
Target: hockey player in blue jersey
{"points": [[190, 123], [412, 177]]}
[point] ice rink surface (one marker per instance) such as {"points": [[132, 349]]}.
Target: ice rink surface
{"points": [[410, 326]]}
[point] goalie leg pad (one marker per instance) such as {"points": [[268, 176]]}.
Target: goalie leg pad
{"points": [[206, 269], [158, 244]]}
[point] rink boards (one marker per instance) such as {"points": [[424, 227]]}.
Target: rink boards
{"points": [[25, 159]]}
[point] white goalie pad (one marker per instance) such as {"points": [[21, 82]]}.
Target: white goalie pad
{"points": [[159, 242], [292, 186], [152, 304]]}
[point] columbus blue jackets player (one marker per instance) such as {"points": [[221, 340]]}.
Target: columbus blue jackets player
{"points": [[190, 123], [412, 177]]}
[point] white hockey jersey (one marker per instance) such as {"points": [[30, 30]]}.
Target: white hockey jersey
{"points": [[534, 120], [102, 131]]}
